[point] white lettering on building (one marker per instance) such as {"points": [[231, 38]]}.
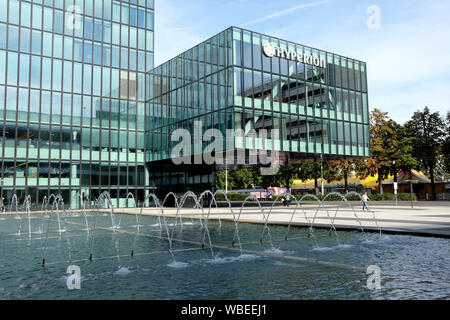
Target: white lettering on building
{"points": [[270, 51]]}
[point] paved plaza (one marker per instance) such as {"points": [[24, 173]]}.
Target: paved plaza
{"points": [[423, 219]]}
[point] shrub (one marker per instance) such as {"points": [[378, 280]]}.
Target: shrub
{"points": [[376, 197], [232, 196], [353, 197], [406, 197]]}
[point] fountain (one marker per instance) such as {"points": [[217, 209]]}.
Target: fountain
{"points": [[222, 234]]}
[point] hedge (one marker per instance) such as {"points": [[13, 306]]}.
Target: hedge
{"points": [[333, 197]]}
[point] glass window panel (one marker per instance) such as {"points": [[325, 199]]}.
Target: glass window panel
{"points": [[3, 10], [78, 50], [96, 85], [13, 38], [57, 46], [106, 81], [97, 30], [116, 33], [133, 16], [59, 21], [77, 77], [22, 106], [107, 9], [106, 55], [247, 49], [36, 45], [97, 53], [35, 98], [24, 70], [67, 108], [115, 57], [141, 39], [68, 43], [56, 107], [57, 74], [116, 11], [106, 32], [47, 44], [149, 40], [25, 39], [88, 25], [124, 58], [124, 35], [141, 18], [150, 20], [45, 106], [88, 7], [2, 66], [133, 37], [87, 76], [37, 17], [3, 39], [14, 11], [12, 68], [124, 13], [46, 73], [25, 14], [2, 97], [98, 8], [35, 71], [67, 76], [11, 101], [48, 19], [87, 52]]}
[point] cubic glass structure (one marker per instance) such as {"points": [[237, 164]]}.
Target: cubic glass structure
{"points": [[241, 79], [72, 98]]}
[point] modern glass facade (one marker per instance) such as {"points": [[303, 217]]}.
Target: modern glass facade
{"points": [[316, 99], [72, 97]]}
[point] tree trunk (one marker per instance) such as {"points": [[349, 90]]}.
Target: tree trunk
{"points": [[346, 181], [380, 181], [315, 184], [433, 186]]}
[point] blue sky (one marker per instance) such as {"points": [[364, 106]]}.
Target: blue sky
{"points": [[408, 58]]}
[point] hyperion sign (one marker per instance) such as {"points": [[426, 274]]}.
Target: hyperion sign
{"points": [[270, 50]]}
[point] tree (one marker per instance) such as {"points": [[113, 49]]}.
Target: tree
{"points": [[286, 174], [382, 136], [446, 146], [340, 169], [400, 154], [428, 131]]}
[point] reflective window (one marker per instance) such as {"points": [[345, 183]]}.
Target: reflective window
{"points": [[36, 44], [14, 11], [12, 68], [25, 14], [37, 17], [13, 38], [35, 71]]}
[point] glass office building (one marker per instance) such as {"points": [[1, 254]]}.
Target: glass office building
{"points": [[240, 79], [72, 97]]}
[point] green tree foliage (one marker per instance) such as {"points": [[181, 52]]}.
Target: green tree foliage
{"points": [[339, 169], [382, 136], [428, 131], [446, 146]]}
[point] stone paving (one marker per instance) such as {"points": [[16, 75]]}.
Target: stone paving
{"points": [[432, 220]]}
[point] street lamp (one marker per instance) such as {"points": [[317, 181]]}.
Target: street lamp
{"points": [[395, 183]]}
